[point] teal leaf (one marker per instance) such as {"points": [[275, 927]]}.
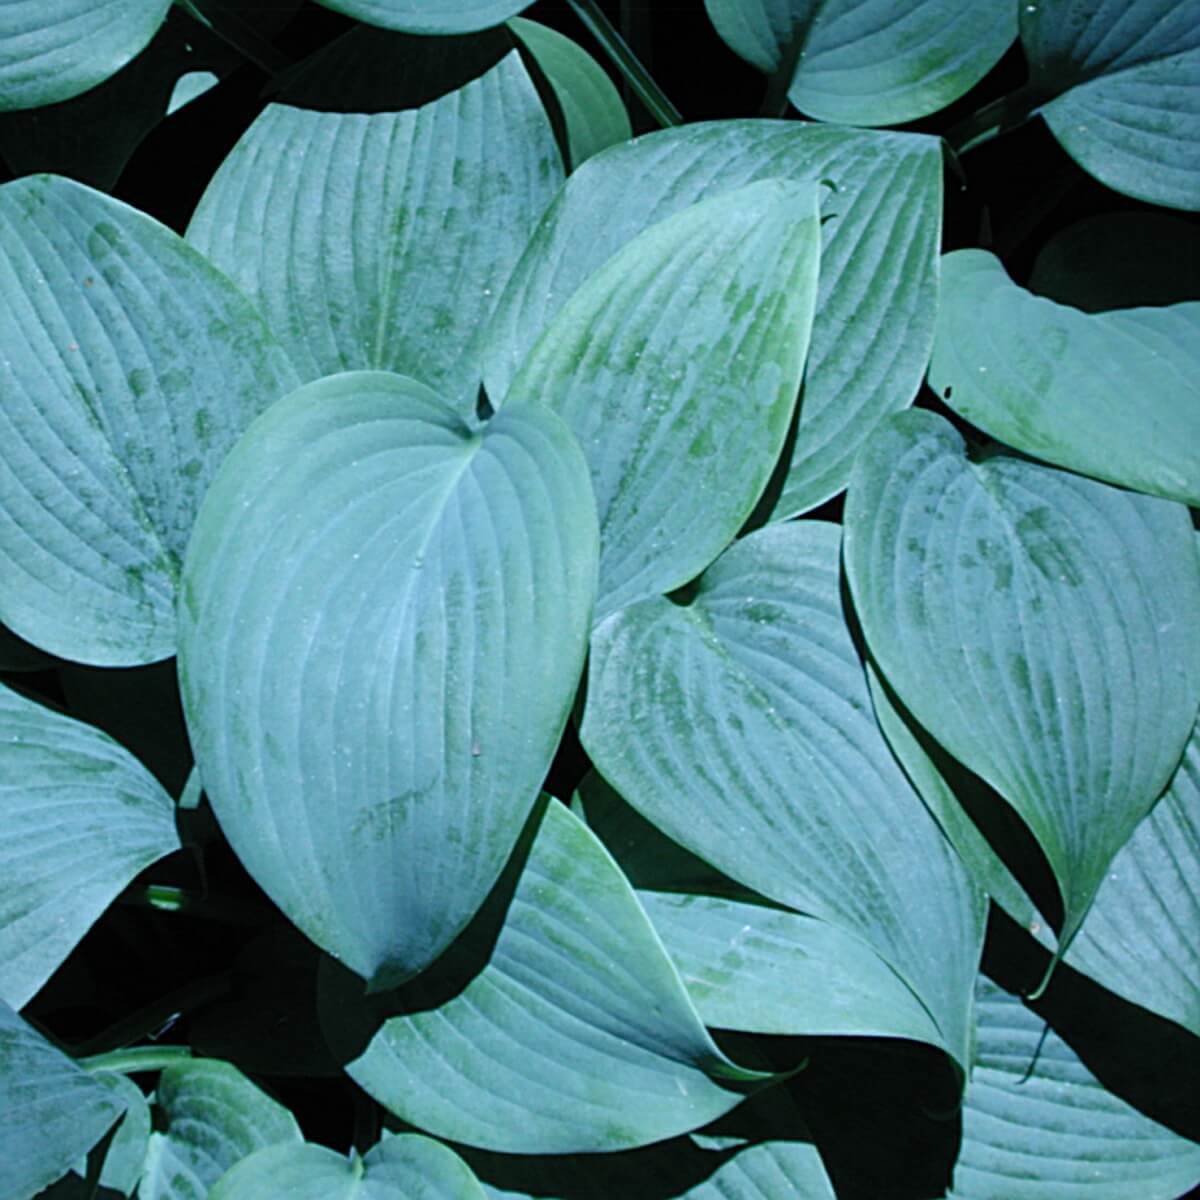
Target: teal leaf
{"points": [[188, 87], [577, 1034], [403, 1166], [868, 62], [130, 367], [81, 817], [741, 726], [54, 1111], [51, 52], [383, 625], [420, 16], [1037, 1125], [676, 365], [212, 1117], [1009, 606], [406, 224], [1112, 395], [592, 109], [127, 1152], [876, 292], [1118, 83]]}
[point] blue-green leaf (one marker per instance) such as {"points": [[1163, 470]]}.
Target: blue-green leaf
{"points": [[421, 16]]}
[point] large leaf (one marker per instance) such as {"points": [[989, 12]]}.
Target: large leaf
{"points": [[212, 1118], [54, 1112], [868, 62], [592, 110], [1010, 607], [384, 620], [677, 365], [51, 52], [402, 1166], [1037, 1125], [577, 1034], [1112, 395], [1118, 83], [877, 290], [404, 225], [420, 16], [741, 726], [80, 818], [130, 366]]}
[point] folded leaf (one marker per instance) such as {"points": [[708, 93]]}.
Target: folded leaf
{"points": [[383, 625]]}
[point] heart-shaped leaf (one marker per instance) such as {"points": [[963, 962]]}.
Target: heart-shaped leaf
{"points": [[1118, 82], [676, 365], [868, 62], [576, 1036], [876, 291], [420, 16], [741, 726], [403, 1166], [1009, 606], [383, 624], [408, 211], [212, 1118], [1112, 395], [1037, 1125], [130, 367], [81, 817], [51, 52], [54, 1111]]}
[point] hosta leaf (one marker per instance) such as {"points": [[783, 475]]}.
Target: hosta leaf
{"points": [[80, 818], [592, 110], [130, 367], [420, 16], [576, 1036], [402, 1166], [765, 970], [1010, 607], [54, 1111], [741, 726], [405, 224], [676, 365], [1112, 395], [1037, 1125], [213, 1118], [1119, 85], [384, 621], [868, 62], [876, 293], [127, 1152], [51, 52]]}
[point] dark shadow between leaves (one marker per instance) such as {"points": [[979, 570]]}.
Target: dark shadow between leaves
{"points": [[351, 1016], [371, 70], [762, 511], [1146, 1060]]}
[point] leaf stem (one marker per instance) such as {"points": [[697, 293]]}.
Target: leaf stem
{"points": [[1001, 115], [627, 63], [137, 1058]]}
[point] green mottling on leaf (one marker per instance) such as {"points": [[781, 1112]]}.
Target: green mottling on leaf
{"points": [[103, 240], [140, 380], [202, 426], [1034, 531]]}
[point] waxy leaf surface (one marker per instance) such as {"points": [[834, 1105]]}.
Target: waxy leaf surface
{"points": [[420, 16], [212, 1118], [403, 226], [868, 62], [1043, 627], [80, 818], [877, 287], [130, 367], [384, 621], [741, 726], [576, 1036], [1121, 87], [1113, 395], [677, 365], [1038, 1125]]}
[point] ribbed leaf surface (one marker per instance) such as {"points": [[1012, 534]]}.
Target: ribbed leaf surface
{"points": [[876, 292], [384, 621], [1043, 627]]}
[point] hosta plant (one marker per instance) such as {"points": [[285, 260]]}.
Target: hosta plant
{"points": [[538, 662]]}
